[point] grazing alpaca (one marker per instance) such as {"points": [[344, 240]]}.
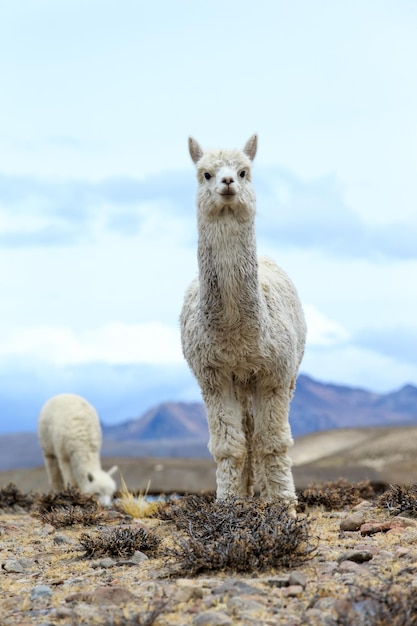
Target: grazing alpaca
{"points": [[70, 436], [243, 333]]}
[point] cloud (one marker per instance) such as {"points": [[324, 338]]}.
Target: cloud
{"points": [[398, 343], [292, 213], [112, 343], [323, 332], [314, 215]]}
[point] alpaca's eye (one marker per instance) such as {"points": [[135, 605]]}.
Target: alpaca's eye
{"points": [[207, 176], [242, 174]]}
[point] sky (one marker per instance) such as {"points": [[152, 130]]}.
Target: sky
{"points": [[98, 229]]}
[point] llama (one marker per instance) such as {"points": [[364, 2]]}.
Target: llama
{"points": [[243, 333], [70, 436]]}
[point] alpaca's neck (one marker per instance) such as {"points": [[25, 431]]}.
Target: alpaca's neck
{"points": [[228, 272]]}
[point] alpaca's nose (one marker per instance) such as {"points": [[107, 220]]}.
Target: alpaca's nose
{"points": [[227, 180]]}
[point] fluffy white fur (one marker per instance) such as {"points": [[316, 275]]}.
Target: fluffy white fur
{"points": [[70, 436], [243, 333]]}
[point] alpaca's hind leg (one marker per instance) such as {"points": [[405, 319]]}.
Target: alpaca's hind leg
{"points": [[272, 438], [67, 473], [53, 472], [227, 441]]}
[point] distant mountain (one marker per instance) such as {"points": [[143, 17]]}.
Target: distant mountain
{"points": [[170, 420], [321, 406], [179, 429]]}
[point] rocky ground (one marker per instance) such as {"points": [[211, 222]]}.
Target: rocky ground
{"points": [[355, 562]]}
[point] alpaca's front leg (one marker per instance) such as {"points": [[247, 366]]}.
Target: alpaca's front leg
{"points": [[272, 438], [53, 471], [227, 441]]}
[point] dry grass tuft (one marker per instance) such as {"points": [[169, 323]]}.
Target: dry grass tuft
{"points": [[239, 535], [11, 498], [334, 495], [400, 500], [73, 516], [119, 542], [137, 506], [66, 498]]}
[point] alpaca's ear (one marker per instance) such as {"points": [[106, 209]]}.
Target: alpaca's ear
{"points": [[251, 146], [112, 470], [195, 149]]}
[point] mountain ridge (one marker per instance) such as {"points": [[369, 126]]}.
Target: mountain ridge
{"points": [[179, 429]]}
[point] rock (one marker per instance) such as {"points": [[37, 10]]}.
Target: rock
{"points": [[354, 521], [375, 526], [104, 595], [212, 618], [297, 578], [358, 556], [293, 591], [47, 529], [239, 604], [234, 587], [351, 566], [186, 593], [139, 557], [41, 592], [62, 539], [13, 565], [364, 504], [105, 563]]}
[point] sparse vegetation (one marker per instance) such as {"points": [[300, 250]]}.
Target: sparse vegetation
{"points": [[334, 495], [400, 500], [68, 497], [11, 497], [119, 542], [239, 535], [60, 517], [136, 505]]}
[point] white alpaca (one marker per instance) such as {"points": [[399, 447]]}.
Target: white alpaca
{"points": [[70, 436], [243, 333]]}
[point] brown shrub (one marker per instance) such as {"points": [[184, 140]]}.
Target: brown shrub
{"points": [[334, 495], [119, 542], [240, 535], [11, 498], [400, 500]]}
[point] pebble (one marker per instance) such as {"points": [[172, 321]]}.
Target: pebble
{"points": [[293, 591], [358, 556], [40, 591], [186, 593], [103, 596], [240, 604], [297, 578], [375, 526], [212, 618], [234, 587], [105, 563], [351, 566], [13, 565], [63, 539], [354, 521]]}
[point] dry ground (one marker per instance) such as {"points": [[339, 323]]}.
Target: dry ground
{"points": [[356, 565]]}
